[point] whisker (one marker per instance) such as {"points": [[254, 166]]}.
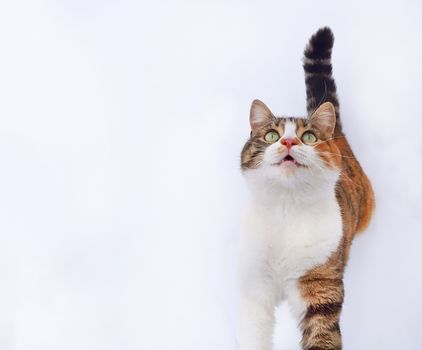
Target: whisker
{"points": [[333, 138], [341, 172], [337, 154]]}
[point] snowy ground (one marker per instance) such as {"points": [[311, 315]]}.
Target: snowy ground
{"points": [[121, 125]]}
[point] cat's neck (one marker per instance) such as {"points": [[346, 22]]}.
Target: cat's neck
{"points": [[269, 194]]}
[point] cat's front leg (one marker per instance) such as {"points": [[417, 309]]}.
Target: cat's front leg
{"points": [[323, 297], [258, 288], [256, 322]]}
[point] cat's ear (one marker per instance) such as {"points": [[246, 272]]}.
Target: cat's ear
{"points": [[324, 118], [260, 114]]}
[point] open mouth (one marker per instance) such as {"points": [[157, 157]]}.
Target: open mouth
{"points": [[288, 160]]}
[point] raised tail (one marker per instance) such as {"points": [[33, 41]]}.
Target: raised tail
{"points": [[320, 85]]}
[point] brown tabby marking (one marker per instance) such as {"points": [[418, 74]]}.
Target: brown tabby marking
{"points": [[322, 287]]}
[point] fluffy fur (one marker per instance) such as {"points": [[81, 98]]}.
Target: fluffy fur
{"points": [[309, 200]]}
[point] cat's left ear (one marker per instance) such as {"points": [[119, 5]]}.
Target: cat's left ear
{"points": [[324, 118], [260, 114]]}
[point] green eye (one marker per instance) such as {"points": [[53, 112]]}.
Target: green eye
{"points": [[272, 136], [309, 137]]}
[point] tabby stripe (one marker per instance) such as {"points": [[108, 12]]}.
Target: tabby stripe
{"points": [[324, 341], [324, 329], [335, 328], [346, 196], [255, 153], [336, 347], [311, 53], [320, 85], [348, 168], [323, 309], [260, 142], [318, 68]]}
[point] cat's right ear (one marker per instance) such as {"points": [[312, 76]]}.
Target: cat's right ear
{"points": [[260, 114]]}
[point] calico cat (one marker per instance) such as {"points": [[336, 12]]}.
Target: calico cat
{"points": [[310, 198]]}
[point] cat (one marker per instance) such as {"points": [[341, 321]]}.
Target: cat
{"points": [[310, 197]]}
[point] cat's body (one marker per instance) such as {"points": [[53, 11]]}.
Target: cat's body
{"points": [[310, 197]]}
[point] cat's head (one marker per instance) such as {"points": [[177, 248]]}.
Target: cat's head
{"points": [[291, 152]]}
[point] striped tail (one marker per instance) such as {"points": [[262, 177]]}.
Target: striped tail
{"points": [[320, 85]]}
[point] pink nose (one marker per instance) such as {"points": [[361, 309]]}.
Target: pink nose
{"points": [[288, 142]]}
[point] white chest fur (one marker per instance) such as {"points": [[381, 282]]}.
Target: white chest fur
{"points": [[284, 239]]}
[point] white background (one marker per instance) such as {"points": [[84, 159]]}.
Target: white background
{"points": [[121, 125]]}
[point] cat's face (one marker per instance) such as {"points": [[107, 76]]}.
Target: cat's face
{"points": [[291, 152]]}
